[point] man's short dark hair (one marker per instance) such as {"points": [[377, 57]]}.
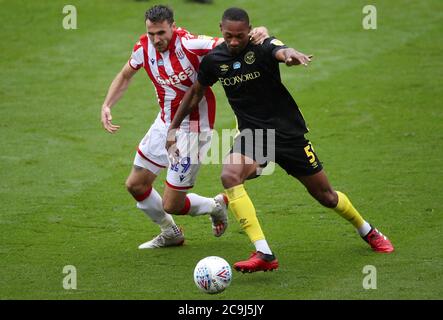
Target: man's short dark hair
{"points": [[235, 14], [159, 13]]}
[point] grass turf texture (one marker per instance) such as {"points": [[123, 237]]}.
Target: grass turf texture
{"points": [[371, 99]]}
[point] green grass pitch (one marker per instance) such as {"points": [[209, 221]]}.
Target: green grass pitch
{"points": [[372, 99]]}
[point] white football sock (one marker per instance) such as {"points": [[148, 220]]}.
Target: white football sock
{"points": [[152, 206], [200, 205], [364, 229], [262, 246]]}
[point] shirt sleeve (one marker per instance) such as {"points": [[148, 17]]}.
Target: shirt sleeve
{"points": [[137, 58], [272, 45], [199, 45], [206, 75]]}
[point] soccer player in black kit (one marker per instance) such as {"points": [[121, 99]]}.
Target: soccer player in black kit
{"points": [[250, 77]]}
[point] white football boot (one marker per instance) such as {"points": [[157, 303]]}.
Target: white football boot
{"points": [[169, 238], [219, 216]]}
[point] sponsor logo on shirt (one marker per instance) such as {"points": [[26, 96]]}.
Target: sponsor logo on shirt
{"points": [[236, 65], [232, 81], [160, 63], [176, 78]]}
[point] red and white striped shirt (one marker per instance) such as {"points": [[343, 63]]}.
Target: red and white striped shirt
{"points": [[173, 72]]}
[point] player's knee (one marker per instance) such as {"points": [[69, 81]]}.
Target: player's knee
{"points": [[328, 198], [230, 179], [134, 188], [172, 207]]}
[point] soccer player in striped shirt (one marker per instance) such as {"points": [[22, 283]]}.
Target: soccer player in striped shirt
{"points": [[171, 57]]}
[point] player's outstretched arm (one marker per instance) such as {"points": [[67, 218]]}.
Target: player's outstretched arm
{"points": [[189, 102], [115, 92], [292, 57]]}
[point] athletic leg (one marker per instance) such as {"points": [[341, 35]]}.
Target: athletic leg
{"points": [[139, 185], [236, 170], [150, 159], [319, 187]]}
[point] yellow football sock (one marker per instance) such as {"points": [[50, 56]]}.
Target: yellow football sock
{"points": [[347, 210], [244, 211]]}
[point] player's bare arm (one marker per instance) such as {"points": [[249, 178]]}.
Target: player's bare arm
{"points": [[292, 57], [115, 92], [190, 101]]}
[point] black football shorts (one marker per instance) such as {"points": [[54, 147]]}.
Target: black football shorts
{"points": [[296, 156]]}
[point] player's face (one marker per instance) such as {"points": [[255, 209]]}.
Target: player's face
{"points": [[160, 33], [236, 35]]}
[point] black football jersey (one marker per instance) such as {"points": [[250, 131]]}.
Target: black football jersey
{"points": [[252, 83]]}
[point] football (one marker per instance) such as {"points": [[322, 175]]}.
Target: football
{"points": [[212, 274]]}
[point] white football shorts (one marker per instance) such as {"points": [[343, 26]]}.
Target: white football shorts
{"points": [[152, 154]]}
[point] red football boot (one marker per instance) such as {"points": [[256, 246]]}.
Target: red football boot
{"points": [[258, 261], [378, 241]]}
